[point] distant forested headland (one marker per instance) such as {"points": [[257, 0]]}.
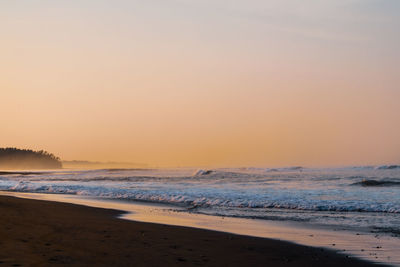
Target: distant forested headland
{"points": [[14, 158]]}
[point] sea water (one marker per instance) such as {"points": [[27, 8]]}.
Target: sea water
{"points": [[365, 199]]}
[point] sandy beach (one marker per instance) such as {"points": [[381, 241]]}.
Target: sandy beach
{"points": [[43, 233]]}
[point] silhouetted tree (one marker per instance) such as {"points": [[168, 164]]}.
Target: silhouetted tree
{"points": [[14, 158]]}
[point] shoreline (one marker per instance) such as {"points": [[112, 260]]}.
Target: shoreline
{"points": [[47, 232], [372, 247]]}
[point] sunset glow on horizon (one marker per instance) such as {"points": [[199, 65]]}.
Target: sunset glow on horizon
{"points": [[203, 83]]}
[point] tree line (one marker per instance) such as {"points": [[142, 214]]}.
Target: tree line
{"points": [[15, 158]]}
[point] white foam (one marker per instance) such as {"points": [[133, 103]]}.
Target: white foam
{"points": [[249, 192]]}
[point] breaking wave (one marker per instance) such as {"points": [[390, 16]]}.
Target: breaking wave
{"points": [[203, 172], [377, 183], [209, 197], [388, 167]]}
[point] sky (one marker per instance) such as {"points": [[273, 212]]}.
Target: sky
{"points": [[203, 83]]}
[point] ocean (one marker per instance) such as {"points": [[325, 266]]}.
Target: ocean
{"points": [[364, 198]]}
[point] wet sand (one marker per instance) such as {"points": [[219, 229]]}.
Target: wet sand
{"points": [[43, 233]]}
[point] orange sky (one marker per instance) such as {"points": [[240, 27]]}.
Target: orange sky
{"points": [[193, 83]]}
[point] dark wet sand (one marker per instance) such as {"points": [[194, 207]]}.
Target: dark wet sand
{"points": [[41, 233]]}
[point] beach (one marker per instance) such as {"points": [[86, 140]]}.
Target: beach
{"points": [[200, 133], [44, 233]]}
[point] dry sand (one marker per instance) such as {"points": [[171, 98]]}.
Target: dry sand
{"points": [[42, 233]]}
